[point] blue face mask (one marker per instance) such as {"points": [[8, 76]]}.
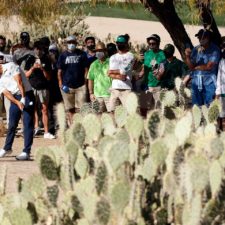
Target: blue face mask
{"points": [[71, 47]]}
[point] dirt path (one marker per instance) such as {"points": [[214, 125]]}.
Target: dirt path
{"points": [[23, 169]]}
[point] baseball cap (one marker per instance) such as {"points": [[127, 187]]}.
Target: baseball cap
{"points": [[71, 38], [24, 35], [203, 33], [53, 47], [169, 48], [154, 37], [121, 39]]}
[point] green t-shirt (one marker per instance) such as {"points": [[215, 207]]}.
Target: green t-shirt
{"points": [[175, 68], [150, 59], [102, 82]]}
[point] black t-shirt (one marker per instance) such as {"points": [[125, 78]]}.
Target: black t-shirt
{"points": [[73, 66], [37, 78]]}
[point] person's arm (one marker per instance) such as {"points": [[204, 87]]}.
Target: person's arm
{"points": [[30, 71], [59, 75], [11, 98], [188, 61], [91, 89], [46, 73], [219, 82], [205, 67], [115, 74], [86, 73], [19, 81]]}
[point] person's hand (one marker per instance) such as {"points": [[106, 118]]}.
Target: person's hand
{"points": [[218, 96], [187, 52], [92, 97], [20, 105], [36, 66]]}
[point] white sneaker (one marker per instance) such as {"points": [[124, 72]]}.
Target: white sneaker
{"points": [[23, 156], [3, 152], [49, 136]]}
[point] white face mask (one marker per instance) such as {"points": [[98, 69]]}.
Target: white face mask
{"points": [[71, 47], [100, 55]]}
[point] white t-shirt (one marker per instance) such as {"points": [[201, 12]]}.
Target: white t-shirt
{"points": [[7, 81], [122, 62], [7, 57]]}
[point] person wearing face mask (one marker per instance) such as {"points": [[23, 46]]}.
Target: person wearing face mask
{"points": [[90, 49], [203, 63], [72, 72], [38, 71], [220, 85], [120, 70], [173, 68], [98, 80], [152, 71]]}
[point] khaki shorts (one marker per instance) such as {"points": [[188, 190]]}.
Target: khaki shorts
{"points": [[150, 99], [75, 98], [42, 96], [103, 104], [115, 95]]}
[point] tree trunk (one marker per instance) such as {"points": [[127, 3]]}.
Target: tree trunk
{"points": [[208, 21], [167, 15]]}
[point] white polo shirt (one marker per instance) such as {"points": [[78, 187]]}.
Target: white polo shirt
{"points": [[7, 81]]}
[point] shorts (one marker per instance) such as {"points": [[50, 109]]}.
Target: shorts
{"points": [[222, 112], [75, 98], [150, 99], [118, 94], [42, 96], [103, 104]]}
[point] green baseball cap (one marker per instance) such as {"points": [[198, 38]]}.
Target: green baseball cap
{"points": [[121, 39]]}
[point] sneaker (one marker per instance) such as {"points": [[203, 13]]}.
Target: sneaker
{"points": [[49, 136], [3, 152], [23, 156], [37, 131], [20, 131]]}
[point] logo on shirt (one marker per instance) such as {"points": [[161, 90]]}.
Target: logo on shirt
{"points": [[72, 59]]}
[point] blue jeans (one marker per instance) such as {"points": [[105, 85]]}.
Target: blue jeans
{"points": [[28, 122], [205, 96]]}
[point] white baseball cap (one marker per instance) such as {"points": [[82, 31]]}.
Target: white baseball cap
{"points": [[71, 38]]}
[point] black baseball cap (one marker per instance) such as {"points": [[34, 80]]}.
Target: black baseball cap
{"points": [[154, 37], [203, 33], [24, 35]]}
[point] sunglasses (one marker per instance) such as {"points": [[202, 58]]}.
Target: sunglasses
{"points": [[152, 43]]}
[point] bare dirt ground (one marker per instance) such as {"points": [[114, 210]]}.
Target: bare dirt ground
{"points": [[22, 169]]}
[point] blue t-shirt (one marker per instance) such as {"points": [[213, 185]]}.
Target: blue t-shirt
{"points": [[73, 66], [201, 57]]}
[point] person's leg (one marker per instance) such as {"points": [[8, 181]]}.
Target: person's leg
{"points": [[113, 100], [69, 103], [28, 122], [14, 117], [80, 97], [7, 104], [123, 96]]}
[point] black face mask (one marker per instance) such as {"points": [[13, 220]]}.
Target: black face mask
{"points": [[2, 48], [91, 47], [121, 47], [168, 54]]}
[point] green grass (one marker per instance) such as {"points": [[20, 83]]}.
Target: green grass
{"points": [[137, 11]]}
